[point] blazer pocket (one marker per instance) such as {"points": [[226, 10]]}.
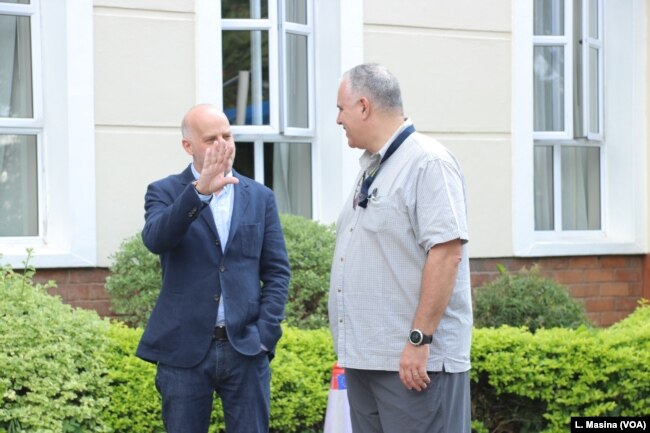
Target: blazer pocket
{"points": [[250, 239]]}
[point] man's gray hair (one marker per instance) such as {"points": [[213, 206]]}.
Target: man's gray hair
{"points": [[378, 84]]}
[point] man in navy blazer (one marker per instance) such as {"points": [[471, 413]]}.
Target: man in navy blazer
{"points": [[225, 275]]}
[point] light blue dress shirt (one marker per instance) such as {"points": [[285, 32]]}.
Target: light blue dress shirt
{"points": [[221, 206]]}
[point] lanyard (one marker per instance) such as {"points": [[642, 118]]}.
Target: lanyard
{"points": [[362, 198]]}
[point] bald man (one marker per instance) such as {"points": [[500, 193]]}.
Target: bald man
{"points": [[226, 273]]}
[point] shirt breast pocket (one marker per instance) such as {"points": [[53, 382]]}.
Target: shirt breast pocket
{"points": [[385, 214], [250, 240]]}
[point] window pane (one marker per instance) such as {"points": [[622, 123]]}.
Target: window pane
{"points": [[22, 2], [246, 77], [18, 186], [549, 17], [296, 11], [287, 171], [543, 180], [245, 159], [297, 82], [594, 102], [580, 188], [255, 9], [593, 19], [15, 67], [548, 90]]}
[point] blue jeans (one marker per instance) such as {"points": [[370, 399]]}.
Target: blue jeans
{"points": [[242, 382]]}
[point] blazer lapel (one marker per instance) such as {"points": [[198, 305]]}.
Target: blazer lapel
{"points": [[242, 197]]}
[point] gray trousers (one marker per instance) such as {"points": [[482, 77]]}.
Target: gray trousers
{"points": [[379, 403]]}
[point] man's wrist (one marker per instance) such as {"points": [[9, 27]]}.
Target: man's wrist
{"points": [[196, 188], [418, 338]]}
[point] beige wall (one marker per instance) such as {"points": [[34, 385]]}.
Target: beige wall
{"points": [[647, 120], [144, 82], [453, 60]]}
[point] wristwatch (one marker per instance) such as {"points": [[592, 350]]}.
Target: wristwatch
{"points": [[417, 337]]}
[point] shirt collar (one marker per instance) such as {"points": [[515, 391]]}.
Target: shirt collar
{"points": [[367, 159]]}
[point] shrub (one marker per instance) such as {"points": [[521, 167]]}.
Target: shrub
{"points": [[299, 384], [310, 246], [68, 370], [134, 401], [50, 377], [524, 382], [134, 282], [135, 279], [526, 299]]}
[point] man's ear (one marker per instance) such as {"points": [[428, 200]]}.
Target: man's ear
{"points": [[187, 146], [365, 107]]}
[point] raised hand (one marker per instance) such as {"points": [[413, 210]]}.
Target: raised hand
{"points": [[217, 163]]}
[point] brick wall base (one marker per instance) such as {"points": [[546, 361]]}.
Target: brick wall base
{"points": [[79, 287], [609, 286]]}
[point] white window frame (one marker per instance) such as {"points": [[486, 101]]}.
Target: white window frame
{"points": [[624, 222], [265, 24], [564, 41], [209, 76], [62, 38], [334, 164], [307, 31], [596, 43], [557, 140]]}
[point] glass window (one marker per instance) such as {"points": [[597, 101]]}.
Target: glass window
{"points": [[296, 11], [593, 19], [567, 168], [288, 173], [19, 214], [15, 67], [268, 96], [580, 188], [297, 80], [543, 181], [594, 91], [253, 9], [245, 158], [549, 17], [246, 77], [286, 170], [44, 169], [18, 185], [548, 90]]}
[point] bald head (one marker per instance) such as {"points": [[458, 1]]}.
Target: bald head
{"points": [[198, 114], [202, 127]]}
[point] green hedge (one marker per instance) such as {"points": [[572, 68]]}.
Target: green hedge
{"points": [[67, 370], [51, 377], [524, 382], [299, 384], [310, 246], [134, 282]]}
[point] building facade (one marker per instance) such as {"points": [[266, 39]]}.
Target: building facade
{"points": [[542, 101]]}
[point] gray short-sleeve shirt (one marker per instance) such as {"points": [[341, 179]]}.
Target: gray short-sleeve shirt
{"points": [[417, 201]]}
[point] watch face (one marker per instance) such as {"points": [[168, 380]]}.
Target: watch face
{"points": [[415, 337]]}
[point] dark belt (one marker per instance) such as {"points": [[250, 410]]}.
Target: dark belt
{"points": [[220, 334]]}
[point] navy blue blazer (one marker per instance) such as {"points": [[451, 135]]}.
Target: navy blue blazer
{"points": [[251, 277]]}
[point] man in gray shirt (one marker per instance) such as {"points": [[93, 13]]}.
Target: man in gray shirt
{"points": [[400, 297]]}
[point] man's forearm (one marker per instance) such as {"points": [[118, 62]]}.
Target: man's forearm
{"points": [[438, 281]]}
